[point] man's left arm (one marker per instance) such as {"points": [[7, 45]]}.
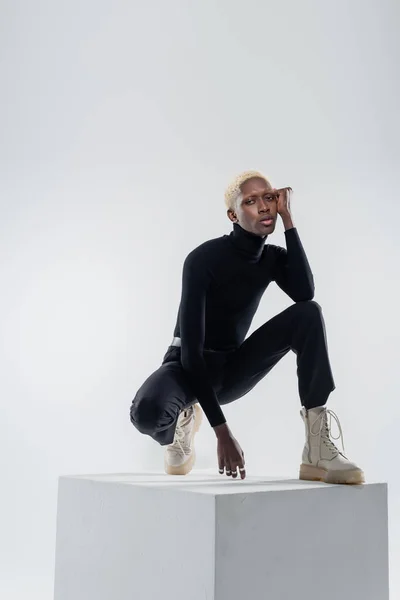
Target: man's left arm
{"points": [[292, 270]]}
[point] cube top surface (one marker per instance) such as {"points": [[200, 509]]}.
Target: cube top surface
{"points": [[207, 482]]}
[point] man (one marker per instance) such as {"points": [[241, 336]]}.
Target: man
{"points": [[211, 363]]}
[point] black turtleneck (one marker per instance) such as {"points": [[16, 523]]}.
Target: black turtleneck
{"points": [[223, 281]]}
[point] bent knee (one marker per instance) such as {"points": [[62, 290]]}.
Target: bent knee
{"points": [[309, 307], [145, 414]]}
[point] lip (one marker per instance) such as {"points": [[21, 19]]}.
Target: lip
{"points": [[267, 219]]}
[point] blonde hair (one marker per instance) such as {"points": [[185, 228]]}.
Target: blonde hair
{"points": [[233, 191]]}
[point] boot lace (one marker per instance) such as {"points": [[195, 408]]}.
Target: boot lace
{"points": [[325, 429], [179, 444], [179, 439]]}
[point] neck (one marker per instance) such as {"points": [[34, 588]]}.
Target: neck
{"points": [[247, 243]]}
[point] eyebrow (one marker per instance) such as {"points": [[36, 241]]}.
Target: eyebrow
{"points": [[255, 194]]}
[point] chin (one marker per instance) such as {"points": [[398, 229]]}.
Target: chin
{"points": [[267, 230]]}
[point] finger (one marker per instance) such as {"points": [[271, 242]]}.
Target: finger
{"points": [[242, 468], [221, 465], [234, 471], [228, 468]]}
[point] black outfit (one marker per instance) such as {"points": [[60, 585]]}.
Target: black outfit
{"points": [[222, 285]]}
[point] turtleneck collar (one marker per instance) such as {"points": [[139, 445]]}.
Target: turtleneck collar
{"points": [[248, 244]]}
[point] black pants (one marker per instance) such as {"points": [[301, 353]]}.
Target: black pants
{"points": [[167, 391]]}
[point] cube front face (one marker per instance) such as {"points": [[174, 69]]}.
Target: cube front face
{"points": [[118, 542], [329, 542]]}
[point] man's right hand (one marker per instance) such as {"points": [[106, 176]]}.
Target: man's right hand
{"points": [[230, 454]]}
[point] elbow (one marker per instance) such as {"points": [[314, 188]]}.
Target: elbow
{"points": [[191, 364], [187, 364], [310, 295], [305, 296], [309, 291]]}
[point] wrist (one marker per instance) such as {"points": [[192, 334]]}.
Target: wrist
{"points": [[287, 221], [222, 431]]}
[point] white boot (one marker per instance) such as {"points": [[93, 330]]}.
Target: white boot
{"points": [[322, 461], [180, 456]]}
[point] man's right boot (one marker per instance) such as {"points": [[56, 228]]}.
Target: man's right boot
{"points": [[180, 456]]}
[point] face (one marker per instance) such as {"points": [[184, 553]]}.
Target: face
{"points": [[257, 209]]}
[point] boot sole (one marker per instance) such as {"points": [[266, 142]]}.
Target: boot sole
{"points": [[310, 473], [189, 464]]}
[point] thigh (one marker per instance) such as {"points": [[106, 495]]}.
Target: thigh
{"points": [[258, 354]]}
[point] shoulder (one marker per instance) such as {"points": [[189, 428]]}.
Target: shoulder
{"points": [[207, 253], [273, 251], [274, 256]]}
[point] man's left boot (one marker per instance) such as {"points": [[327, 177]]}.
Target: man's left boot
{"points": [[321, 460]]}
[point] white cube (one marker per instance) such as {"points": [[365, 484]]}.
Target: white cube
{"points": [[205, 537]]}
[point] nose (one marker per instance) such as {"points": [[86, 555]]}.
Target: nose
{"points": [[264, 205]]}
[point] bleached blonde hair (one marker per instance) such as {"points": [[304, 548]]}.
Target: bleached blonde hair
{"points": [[233, 191]]}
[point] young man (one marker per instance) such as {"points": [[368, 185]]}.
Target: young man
{"points": [[209, 361]]}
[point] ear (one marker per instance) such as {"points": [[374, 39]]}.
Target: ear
{"points": [[232, 215]]}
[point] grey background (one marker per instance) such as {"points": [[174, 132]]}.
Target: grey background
{"points": [[121, 125]]}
